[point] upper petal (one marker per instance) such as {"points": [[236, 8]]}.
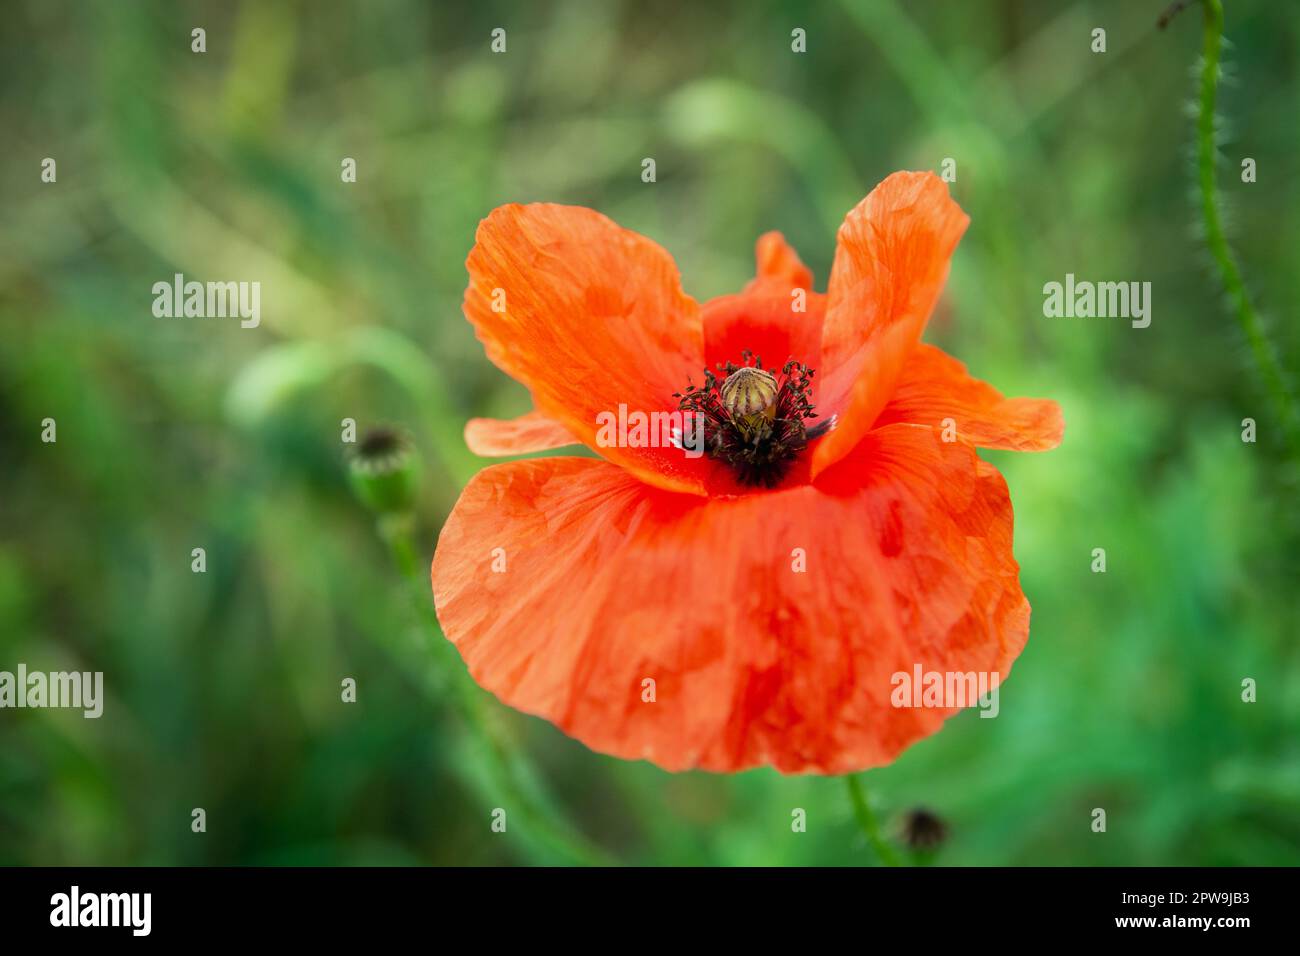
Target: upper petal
{"points": [[762, 321], [776, 317], [777, 262], [589, 316], [934, 386], [735, 632], [891, 260]]}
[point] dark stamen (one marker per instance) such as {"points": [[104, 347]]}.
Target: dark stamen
{"points": [[753, 419]]}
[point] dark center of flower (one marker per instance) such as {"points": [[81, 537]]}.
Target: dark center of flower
{"points": [[754, 419]]}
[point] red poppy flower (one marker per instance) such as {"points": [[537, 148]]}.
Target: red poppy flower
{"points": [[749, 606]]}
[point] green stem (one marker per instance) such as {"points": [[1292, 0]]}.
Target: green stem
{"points": [[867, 822], [398, 532], [1265, 356]]}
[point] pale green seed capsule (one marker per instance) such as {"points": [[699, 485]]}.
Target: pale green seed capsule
{"points": [[384, 471], [749, 392]]}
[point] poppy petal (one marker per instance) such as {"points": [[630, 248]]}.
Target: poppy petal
{"points": [[734, 632], [777, 261], [497, 437], [934, 386], [588, 316], [763, 323], [891, 260], [777, 316]]}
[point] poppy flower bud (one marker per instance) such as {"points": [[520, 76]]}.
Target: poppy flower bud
{"points": [[748, 392], [923, 830], [383, 471]]}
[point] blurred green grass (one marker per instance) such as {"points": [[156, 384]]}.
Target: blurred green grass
{"points": [[178, 434]]}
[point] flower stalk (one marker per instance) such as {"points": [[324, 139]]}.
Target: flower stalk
{"points": [[866, 819], [383, 475], [1243, 310]]}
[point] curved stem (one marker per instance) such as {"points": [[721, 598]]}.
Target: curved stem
{"points": [[867, 822], [1265, 356], [507, 768]]}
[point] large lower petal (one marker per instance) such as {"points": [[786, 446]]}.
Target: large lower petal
{"points": [[589, 316], [891, 260], [935, 387], [770, 625]]}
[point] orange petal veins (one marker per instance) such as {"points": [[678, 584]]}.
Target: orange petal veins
{"points": [[891, 260], [496, 437], [591, 315], [609, 583], [935, 386]]}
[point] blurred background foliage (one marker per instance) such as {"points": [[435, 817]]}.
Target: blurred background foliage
{"points": [[223, 688]]}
